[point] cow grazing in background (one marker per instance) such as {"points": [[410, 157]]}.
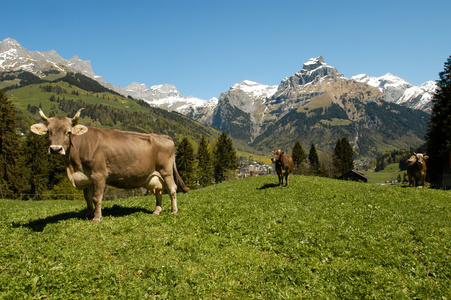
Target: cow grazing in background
{"points": [[96, 157], [416, 169], [284, 165]]}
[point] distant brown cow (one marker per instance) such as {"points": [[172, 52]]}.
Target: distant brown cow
{"points": [[95, 157], [416, 169], [284, 165]]}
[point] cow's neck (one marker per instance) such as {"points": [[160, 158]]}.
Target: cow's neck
{"points": [[72, 163]]}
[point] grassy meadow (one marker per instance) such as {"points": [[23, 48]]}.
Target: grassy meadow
{"points": [[246, 239], [390, 172]]}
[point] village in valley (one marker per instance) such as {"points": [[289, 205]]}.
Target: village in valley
{"points": [[249, 168]]}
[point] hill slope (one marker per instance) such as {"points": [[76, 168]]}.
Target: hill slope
{"points": [[318, 238], [65, 93]]}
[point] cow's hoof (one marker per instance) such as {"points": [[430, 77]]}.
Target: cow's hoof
{"points": [[95, 220], [174, 212], [157, 211]]}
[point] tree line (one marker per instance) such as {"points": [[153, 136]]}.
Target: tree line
{"points": [[342, 160]]}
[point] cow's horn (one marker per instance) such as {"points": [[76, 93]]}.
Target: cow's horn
{"points": [[77, 116], [41, 113]]}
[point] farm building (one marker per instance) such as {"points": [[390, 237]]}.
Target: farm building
{"points": [[354, 175]]}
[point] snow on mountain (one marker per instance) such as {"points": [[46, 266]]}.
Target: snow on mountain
{"points": [[389, 84], [313, 71], [419, 97], [255, 89], [14, 57], [165, 96], [400, 91]]}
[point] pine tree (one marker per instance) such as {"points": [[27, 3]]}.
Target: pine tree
{"points": [[343, 158], [13, 175], [37, 162], [314, 160], [204, 167], [298, 155], [438, 138], [225, 161], [185, 162]]}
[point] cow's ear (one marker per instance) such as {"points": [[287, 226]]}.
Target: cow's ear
{"points": [[272, 152], [79, 130], [282, 152], [425, 157], [39, 129]]}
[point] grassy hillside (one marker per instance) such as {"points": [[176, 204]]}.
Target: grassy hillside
{"points": [[103, 108], [36, 94], [246, 239]]}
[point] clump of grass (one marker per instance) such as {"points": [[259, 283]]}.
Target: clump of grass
{"points": [[318, 238]]}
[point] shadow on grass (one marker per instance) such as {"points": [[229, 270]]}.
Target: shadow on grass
{"points": [[268, 186], [115, 211]]}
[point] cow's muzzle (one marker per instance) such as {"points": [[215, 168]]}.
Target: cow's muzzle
{"points": [[56, 150]]}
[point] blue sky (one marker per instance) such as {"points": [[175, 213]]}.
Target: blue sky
{"points": [[205, 46]]}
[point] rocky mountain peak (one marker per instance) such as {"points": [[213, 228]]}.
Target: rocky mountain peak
{"points": [[313, 71], [9, 43], [314, 63]]}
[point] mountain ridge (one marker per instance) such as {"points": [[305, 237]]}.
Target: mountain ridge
{"points": [[37, 62], [249, 110]]}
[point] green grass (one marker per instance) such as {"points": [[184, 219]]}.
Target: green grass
{"points": [[246, 239], [390, 172]]}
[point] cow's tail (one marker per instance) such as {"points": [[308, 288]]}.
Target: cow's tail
{"points": [[179, 181]]}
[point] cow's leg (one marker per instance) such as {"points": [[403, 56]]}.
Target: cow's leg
{"points": [[88, 191], [286, 178], [172, 189], [280, 179], [159, 198], [98, 187]]}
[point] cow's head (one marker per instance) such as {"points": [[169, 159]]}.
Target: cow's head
{"points": [[420, 160], [59, 130], [276, 155]]}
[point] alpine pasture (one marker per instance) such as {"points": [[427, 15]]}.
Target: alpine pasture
{"points": [[246, 239]]}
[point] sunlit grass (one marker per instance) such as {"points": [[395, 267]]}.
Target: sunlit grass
{"points": [[318, 238]]}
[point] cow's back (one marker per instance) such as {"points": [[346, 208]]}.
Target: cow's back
{"points": [[287, 162]]}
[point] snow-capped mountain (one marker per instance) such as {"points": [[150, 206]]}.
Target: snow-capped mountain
{"points": [[319, 105], [401, 92], [315, 105], [419, 97], [166, 96], [314, 70], [13, 57]]}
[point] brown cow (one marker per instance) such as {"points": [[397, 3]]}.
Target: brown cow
{"points": [[416, 169], [123, 159], [284, 165]]}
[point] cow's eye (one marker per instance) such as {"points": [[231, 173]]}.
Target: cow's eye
{"points": [[68, 133]]}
